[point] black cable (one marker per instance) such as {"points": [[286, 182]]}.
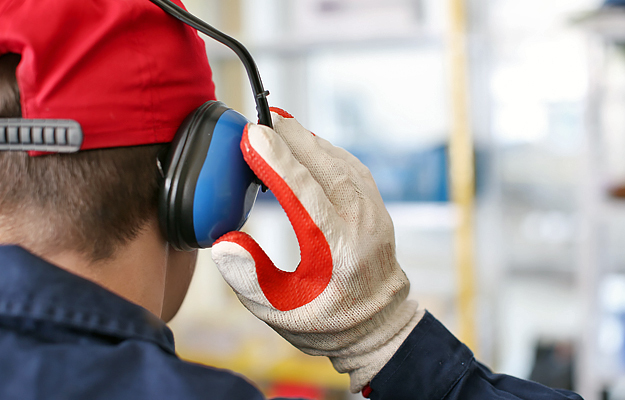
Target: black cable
{"points": [[260, 94]]}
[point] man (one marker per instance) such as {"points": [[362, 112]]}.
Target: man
{"points": [[87, 279]]}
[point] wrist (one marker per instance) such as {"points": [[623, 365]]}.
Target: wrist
{"points": [[369, 356]]}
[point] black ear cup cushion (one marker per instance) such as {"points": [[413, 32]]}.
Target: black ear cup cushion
{"points": [[181, 170]]}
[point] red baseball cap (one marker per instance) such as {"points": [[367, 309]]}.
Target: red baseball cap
{"points": [[124, 69]]}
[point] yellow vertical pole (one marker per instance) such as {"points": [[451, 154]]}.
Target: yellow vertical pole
{"points": [[462, 171], [233, 79], [231, 11]]}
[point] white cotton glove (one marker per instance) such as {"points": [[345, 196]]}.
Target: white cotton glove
{"points": [[347, 298]]}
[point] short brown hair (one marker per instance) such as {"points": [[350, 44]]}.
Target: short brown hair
{"points": [[91, 201]]}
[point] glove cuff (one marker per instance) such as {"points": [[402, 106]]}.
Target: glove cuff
{"points": [[365, 364]]}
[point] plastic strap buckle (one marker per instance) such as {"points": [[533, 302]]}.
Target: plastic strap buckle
{"points": [[47, 135]]}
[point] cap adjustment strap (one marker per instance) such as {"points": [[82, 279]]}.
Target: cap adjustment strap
{"points": [[47, 135]]}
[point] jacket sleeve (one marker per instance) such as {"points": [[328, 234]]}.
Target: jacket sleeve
{"points": [[433, 365]]}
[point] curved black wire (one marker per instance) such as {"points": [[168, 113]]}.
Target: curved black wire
{"points": [[260, 94]]}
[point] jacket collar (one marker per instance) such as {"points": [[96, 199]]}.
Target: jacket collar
{"points": [[33, 288]]}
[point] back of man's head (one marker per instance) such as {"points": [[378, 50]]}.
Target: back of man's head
{"points": [[129, 74], [89, 202]]}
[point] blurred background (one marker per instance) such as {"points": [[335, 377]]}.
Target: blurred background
{"points": [[531, 273]]}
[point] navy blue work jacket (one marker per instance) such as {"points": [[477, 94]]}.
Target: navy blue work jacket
{"points": [[63, 337]]}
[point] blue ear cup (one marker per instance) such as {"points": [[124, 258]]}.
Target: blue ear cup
{"points": [[208, 189]]}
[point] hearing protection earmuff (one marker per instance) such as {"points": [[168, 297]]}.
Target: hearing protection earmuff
{"points": [[208, 188]]}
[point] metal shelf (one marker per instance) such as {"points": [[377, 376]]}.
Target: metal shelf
{"points": [[606, 27], [303, 46]]}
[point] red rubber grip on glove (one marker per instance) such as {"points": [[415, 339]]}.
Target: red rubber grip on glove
{"points": [[286, 290], [280, 112], [284, 114]]}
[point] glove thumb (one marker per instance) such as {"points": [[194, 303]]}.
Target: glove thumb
{"points": [[236, 255]]}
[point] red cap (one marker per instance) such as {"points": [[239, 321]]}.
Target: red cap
{"points": [[125, 70]]}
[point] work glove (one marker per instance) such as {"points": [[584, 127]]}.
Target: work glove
{"points": [[347, 298]]}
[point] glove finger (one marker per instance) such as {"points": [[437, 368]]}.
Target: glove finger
{"points": [[237, 265], [308, 210], [305, 145], [346, 182], [290, 181], [366, 179]]}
